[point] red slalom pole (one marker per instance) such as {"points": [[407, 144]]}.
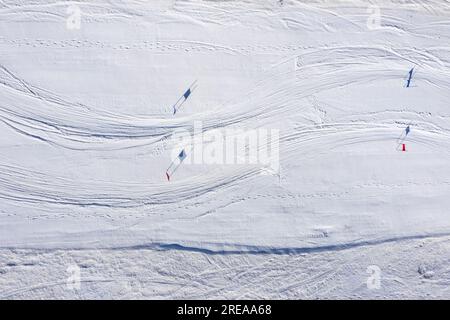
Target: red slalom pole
{"points": [[403, 147]]}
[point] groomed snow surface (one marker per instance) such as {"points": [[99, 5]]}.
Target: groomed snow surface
{"points": [[86, 120]]}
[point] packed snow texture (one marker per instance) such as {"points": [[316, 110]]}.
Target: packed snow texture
{"points": [[86, 96]]}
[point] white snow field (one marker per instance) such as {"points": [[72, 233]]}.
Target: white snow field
{"points": [[86, 120]]}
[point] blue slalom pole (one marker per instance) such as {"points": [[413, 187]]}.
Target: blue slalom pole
{"points": [[410, 77]]}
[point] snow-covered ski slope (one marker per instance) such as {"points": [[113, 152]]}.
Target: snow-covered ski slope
{"points": [[86, 119]]}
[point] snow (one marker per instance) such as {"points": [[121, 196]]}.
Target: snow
{"points": [[87, 117], [174, 274]]}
